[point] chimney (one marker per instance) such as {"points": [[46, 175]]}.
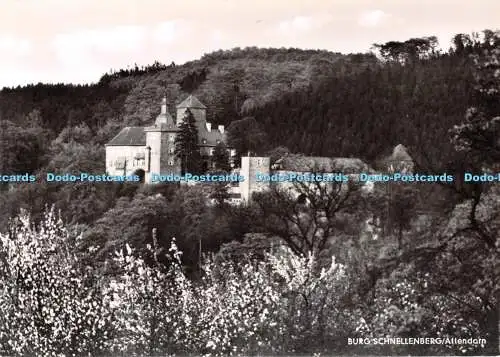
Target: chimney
{"points": [[209, 127], [164, 105], [221, 128]]}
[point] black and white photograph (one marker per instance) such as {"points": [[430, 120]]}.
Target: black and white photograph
{"points": [[249, 178]]}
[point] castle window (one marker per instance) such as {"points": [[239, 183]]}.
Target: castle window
{"points": [[171, 138], [139, 162], [171, 150], [120, 163], [171, 162], [212, 152], [139, 159]]}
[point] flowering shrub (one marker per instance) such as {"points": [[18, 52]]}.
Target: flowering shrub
{"points": [[235, 310], [310, 308], [51, 303], [149, 304]]}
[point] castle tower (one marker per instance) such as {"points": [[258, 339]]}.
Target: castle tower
{"points": [[197, 108], [160, 145], [251, 167]]}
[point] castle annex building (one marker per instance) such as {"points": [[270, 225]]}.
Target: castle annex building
{"points": [[291, 164], [296, 164], [145, 151]]}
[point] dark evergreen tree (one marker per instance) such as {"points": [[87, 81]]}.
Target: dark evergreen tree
{"points": [[219, 193], [186, 145], [220, 158], [220, 166]]}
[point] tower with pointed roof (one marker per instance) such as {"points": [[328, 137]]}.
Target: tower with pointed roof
{"points": [[196, 107], [208, 136], [160, 143]]}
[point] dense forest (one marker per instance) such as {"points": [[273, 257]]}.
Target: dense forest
{"points": [[432, 270]]}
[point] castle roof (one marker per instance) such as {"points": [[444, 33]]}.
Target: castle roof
{"points": [[191, 102], [211, 136], [136, 136], [299, 163], [129, 136]]}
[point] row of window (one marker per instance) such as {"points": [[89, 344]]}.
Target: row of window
{"points": [[139, 163], [171, 138], [204, 141], [172, 151], [122, 162]]}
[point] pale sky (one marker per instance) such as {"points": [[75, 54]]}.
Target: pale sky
{"points": [[79, 40]]}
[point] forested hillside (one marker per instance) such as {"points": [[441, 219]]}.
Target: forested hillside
{"points": [[427, 267], [314, 102]]}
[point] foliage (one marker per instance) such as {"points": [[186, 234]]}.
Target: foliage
{"points": [[221, 166], [444, 282], [220, 158], [401, 201], [479, 135], [50, 302], [186, 144], [150, 303], [407, 305], [131, 221], [452, 271], [219, 192], [246, 135], [308, 215], [53, 304], [21, 148], [409, 50], [234, 309]]}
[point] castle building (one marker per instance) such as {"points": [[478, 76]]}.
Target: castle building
{"points": [[145, 151]]}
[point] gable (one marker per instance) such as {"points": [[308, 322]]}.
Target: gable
{"points": [[211, 137], [191, 102]]}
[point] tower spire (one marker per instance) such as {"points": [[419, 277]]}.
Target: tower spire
{"points": [[164, 105]]}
